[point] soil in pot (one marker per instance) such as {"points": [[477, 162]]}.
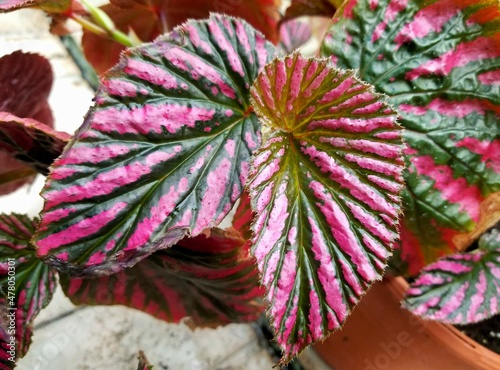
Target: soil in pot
{"points": [[486, 332]]}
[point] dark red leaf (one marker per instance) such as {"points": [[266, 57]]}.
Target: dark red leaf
{"points": [[322, 8], [104, 53], [31, 142], [148, 19], [211, 279], [25, 83]]}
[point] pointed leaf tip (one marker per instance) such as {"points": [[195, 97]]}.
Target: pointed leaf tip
{"points": [[325, 189]]}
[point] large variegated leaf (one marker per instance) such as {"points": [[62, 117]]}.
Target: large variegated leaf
{"points": [[461, 288], [164, 152], [30, 141], [26, 284], [439, 61], [325, 188], [213, 280]]}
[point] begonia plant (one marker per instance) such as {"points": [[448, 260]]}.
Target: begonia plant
{"points": [[381, 150]]}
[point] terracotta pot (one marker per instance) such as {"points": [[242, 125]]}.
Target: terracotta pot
{"points": [[380, 335]]}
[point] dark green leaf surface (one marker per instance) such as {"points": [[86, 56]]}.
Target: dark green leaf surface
{"points": [[325, 189], [439, 62], [164, 153], [26, 283], [461, 288], [212, 280]]}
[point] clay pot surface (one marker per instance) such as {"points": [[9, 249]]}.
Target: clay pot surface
{"points": [[380, 335]]}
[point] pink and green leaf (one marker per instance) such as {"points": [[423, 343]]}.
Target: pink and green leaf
{"points": [[7, 361], [325, 189], [31, 142], [439, 63], [293, 34], [460, 288], [211, 279], [35, 282], [164, 153]]}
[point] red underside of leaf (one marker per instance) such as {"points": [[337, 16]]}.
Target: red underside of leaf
{"points": [[212, 280]]}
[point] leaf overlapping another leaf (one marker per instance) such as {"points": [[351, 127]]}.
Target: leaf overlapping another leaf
{"points": [[460, 288], [439, 63], [325, 189], [210, 279], [165, 151], [34, 281]]}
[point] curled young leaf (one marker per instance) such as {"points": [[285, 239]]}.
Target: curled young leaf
{"points": [[165, 151], [210, 279], [26, 283], [460, 288], [439, 63], [325, 188]]}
